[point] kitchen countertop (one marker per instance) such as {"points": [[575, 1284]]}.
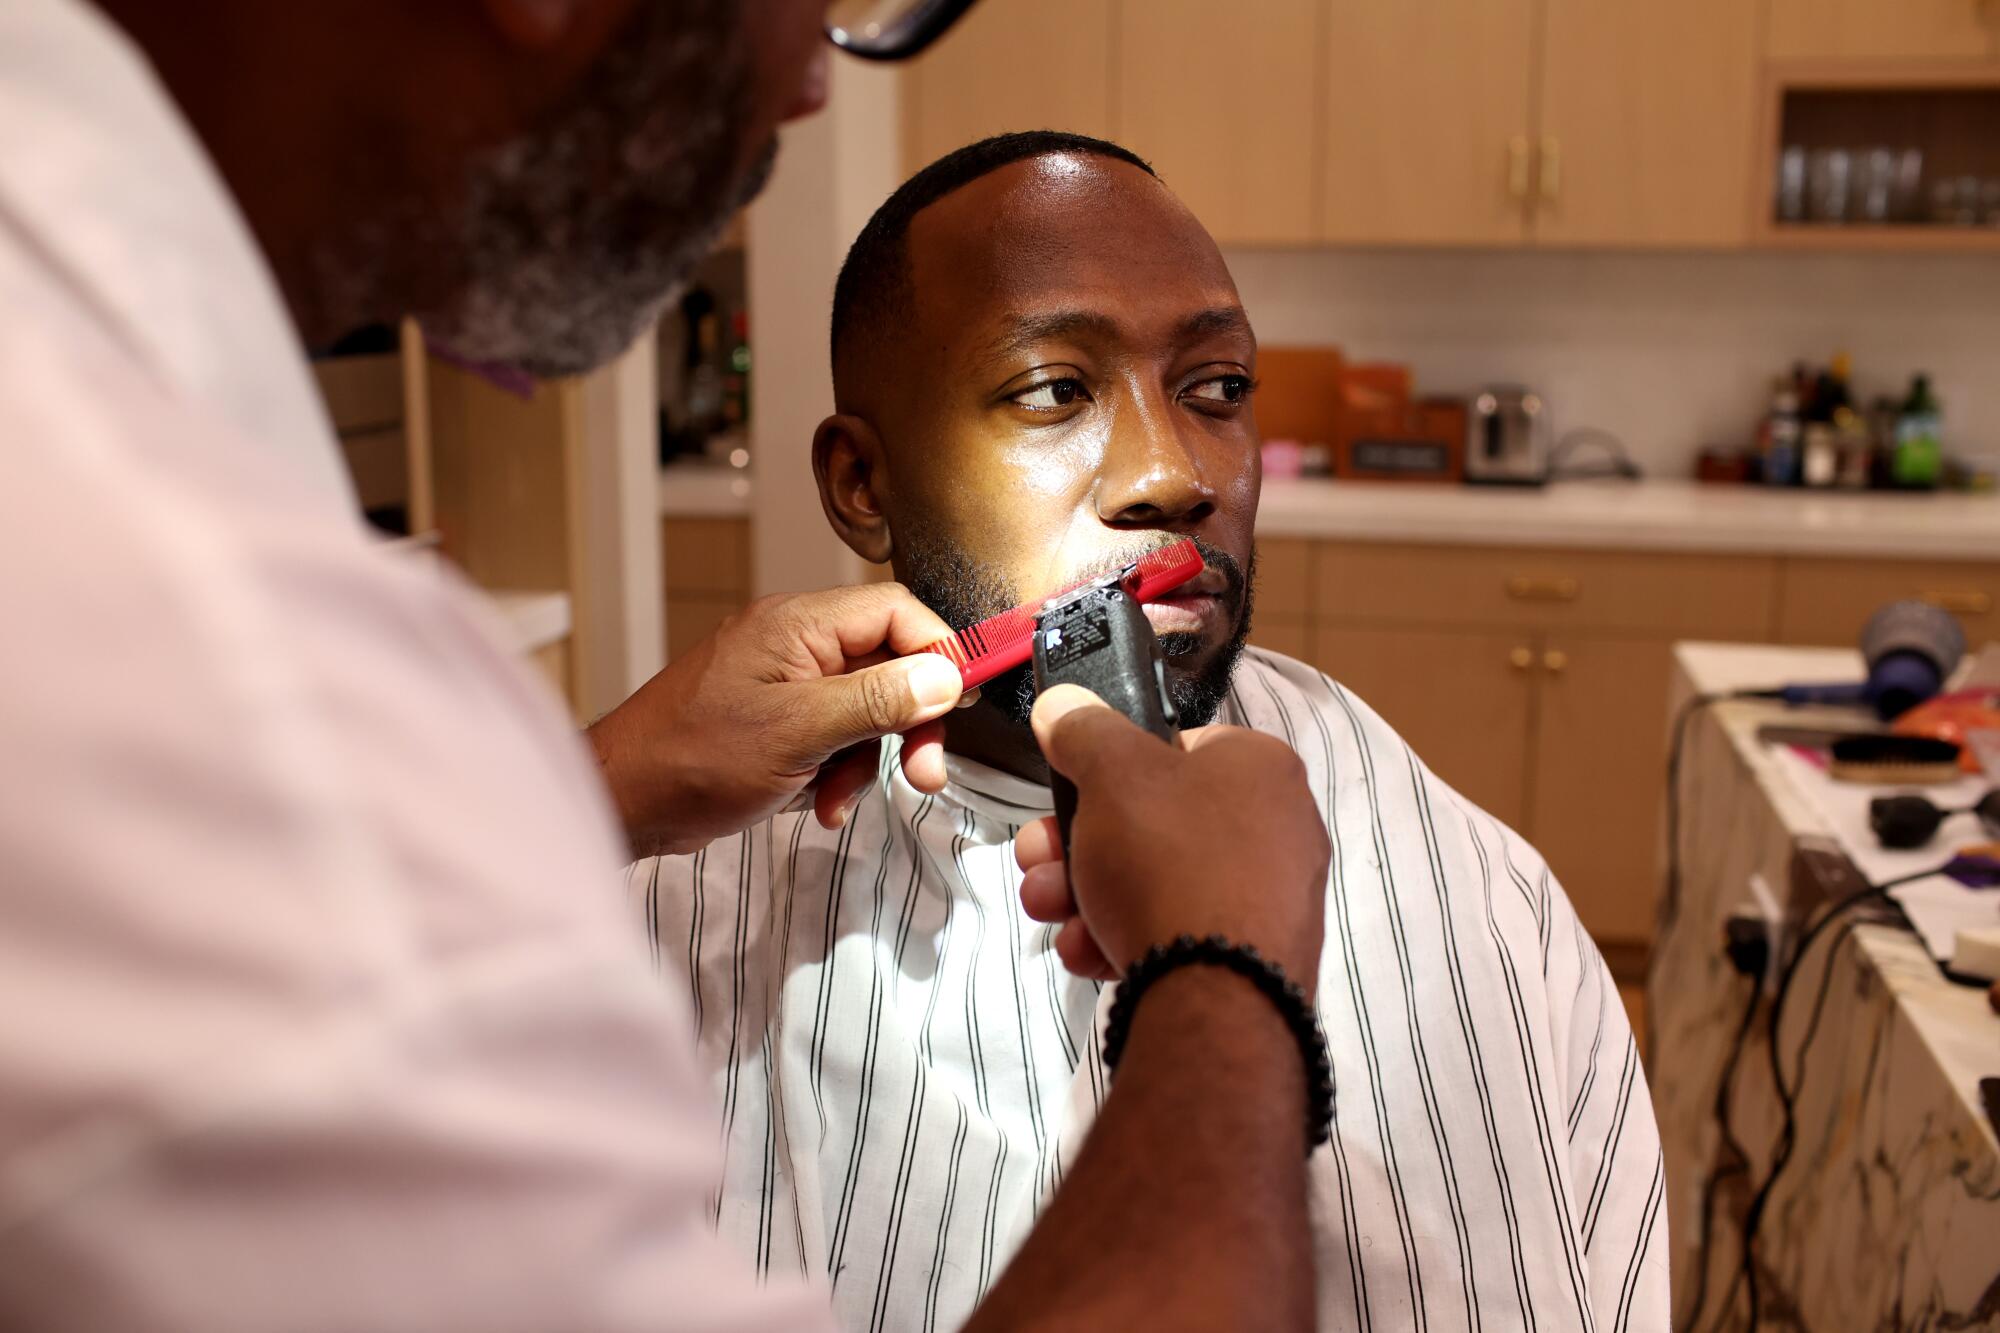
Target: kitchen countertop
{"points": [[1620, 515], [694, 488], [1646, 515]]}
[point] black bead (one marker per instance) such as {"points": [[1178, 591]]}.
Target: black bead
{"points": [[1268, 978]]}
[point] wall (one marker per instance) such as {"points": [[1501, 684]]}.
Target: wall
{"points": [[833, 169], [1668, 351]]}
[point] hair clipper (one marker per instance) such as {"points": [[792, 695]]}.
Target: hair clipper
{"points": [[1098, 637]]}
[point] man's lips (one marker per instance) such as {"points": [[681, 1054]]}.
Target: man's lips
{"points": [[1191, 608], [1183, 615]]}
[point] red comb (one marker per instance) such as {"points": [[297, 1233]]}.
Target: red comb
{"points": [[1000, 643]]}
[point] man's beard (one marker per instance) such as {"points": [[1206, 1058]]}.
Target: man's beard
{"points": [[963, 592], [564, 244]]}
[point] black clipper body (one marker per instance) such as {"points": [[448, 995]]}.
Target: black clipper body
{"points": [[1098, 637]]}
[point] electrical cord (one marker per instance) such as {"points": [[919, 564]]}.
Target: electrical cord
{"points": [[1737, 1163], [1618, 463], [1670, 897], [1746, 1274]]}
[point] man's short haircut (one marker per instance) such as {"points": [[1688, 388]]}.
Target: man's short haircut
{"points": [[874, 286]]}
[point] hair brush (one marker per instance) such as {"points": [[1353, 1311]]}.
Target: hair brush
{"points": [[1883, 758], [1005, 641]]}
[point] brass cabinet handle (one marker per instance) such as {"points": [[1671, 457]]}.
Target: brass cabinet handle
{"points": [[1555, 661], [1517, 167], [1958, 601], [1521, 659], [1523, 588], [1552, 168]]}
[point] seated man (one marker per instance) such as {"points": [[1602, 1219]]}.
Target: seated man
{"points": [[1042, 370]]}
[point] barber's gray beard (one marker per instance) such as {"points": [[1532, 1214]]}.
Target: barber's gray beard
{"points": [[564, 244], [964, 593]]}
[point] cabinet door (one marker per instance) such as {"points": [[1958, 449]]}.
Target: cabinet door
{"points": [[1827, 601], [1222, 101], [1427, 121], [1461, 700], [1021, 65], [1648, 123], [1600, 762], [1881, 30]]}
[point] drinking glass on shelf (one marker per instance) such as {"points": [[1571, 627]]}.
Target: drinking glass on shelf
{"points": [[1989, 202], [1955, 201], [1876, 186], [1829, 172], [1906, 197], [1792, 184]]}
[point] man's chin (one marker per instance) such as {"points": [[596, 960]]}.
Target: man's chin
{"points": [[1198, 682]]}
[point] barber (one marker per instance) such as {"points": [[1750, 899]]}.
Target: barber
{"points": [[311, 1014]]}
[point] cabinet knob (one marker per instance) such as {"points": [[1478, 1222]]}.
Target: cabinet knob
{"points": [[1555, 661], [1521, 658], [1517, 167], [1522, 588], [1959, 601], [1552, 168]]}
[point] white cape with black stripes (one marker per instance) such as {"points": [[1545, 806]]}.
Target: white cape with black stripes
{"points": [[904, 1068]]}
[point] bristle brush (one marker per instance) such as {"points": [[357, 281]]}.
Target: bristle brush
{"points": [[1003, 642]]}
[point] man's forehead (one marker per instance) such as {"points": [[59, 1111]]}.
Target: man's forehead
{"points": [[1064, 230]]}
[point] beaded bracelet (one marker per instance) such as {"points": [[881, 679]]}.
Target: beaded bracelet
{"points": [[1267, 977]]}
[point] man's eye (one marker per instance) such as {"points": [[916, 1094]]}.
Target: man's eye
{"points": [[1051, 395], [1222, 389]]}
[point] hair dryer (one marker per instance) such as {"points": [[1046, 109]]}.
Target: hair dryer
{"points": [[1910, 647]]}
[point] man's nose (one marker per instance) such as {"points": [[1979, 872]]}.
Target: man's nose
{"points": [[1152, 477]]}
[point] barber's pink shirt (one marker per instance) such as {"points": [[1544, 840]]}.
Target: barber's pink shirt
{"points": [[318, 1005]]}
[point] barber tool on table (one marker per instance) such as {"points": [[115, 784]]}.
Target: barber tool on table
{"points": [[1911, 649]]}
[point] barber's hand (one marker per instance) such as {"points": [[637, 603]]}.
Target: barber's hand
{"points": [[1219, 837], [790, 690]]}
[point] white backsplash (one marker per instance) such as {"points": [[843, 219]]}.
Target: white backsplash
{"points": [[1668, 351]]}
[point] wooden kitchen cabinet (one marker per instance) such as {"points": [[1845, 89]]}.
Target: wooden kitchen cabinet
{"points": [[1021, 65], [1648, 124], [706, 575], [1460, 698], [1599, 775], [1222, 104], [1686, 595], [1535, 681], [1561, 736], [1883, 30], [1427, 122], [1347, 122]]}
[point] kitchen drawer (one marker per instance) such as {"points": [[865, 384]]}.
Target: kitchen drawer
{"points": [[1283, 579], [1670, 594], [707, 555], [1828, 601]]}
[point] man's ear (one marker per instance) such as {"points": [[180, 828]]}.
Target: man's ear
{"points": [[850, 466]]}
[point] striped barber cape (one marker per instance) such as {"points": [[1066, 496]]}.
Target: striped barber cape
{"points": [[904, 1068]]}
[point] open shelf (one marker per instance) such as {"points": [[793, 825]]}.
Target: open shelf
{"points": [[1946, 111]]}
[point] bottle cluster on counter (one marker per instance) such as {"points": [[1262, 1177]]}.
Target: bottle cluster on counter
{"points": [[1818, 434], [704, 367]]}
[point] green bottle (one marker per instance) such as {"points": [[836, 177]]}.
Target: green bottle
{"points": [[1918, 458]]}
